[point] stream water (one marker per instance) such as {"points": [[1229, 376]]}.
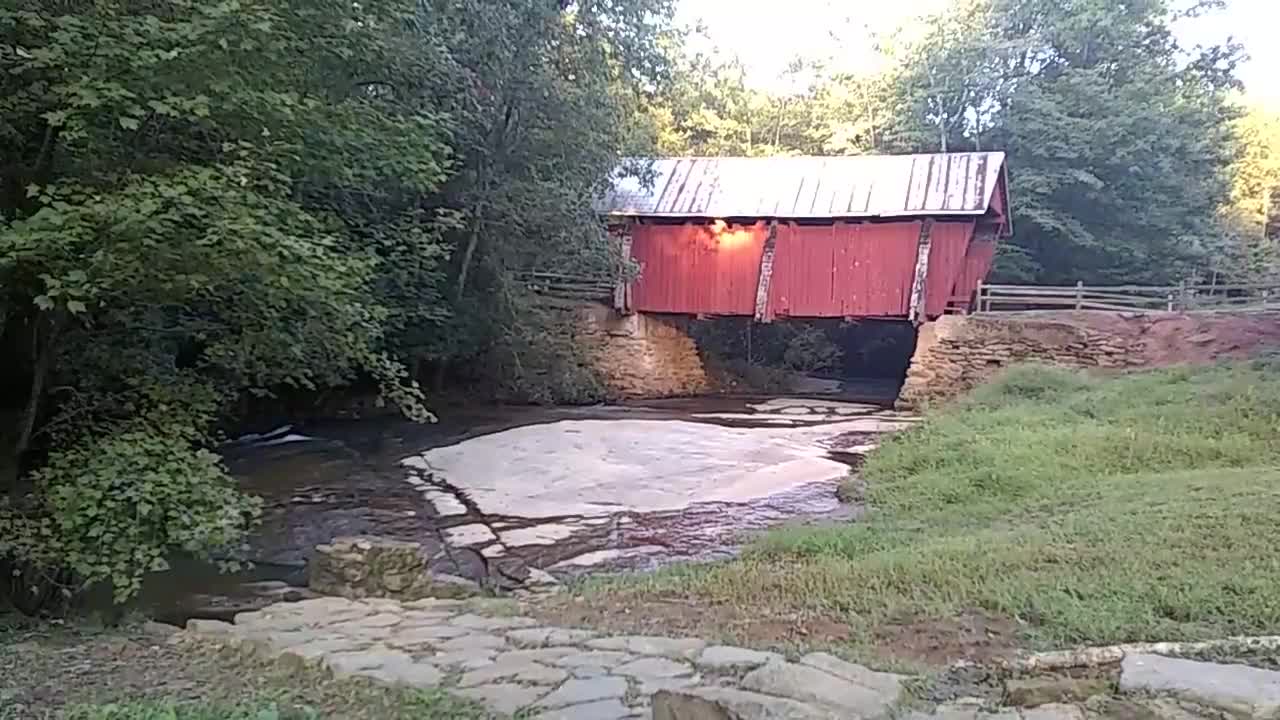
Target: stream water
{"points": [[569, 490]]}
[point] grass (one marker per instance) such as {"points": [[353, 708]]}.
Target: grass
{"points": [[1076, 509], [82, 672], [412, 706]]}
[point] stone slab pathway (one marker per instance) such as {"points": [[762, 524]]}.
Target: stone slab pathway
{"points": [[515, 665]]}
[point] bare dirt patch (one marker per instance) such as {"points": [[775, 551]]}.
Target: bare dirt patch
{"points": [[718, 622], [42, 671], [975, 637]]}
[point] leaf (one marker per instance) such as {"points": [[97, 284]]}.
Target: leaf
{"points": [[128, 123], [76, 307], [44, 302]]}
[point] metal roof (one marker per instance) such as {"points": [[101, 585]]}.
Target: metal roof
{"points": [[863, 186]]}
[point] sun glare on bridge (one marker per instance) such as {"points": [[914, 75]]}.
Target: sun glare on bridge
{"points": [[729, 237]]}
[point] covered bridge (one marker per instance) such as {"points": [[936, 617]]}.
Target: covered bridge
{"points": [[901, 236]]}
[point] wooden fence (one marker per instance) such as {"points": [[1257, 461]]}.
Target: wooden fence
{"points": [[568, 287], [1128, 298], [1003, 298]]}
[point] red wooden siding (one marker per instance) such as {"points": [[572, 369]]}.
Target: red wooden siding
{"points": [[843, 270], [977, 263], [703, 268], [948, 244]]}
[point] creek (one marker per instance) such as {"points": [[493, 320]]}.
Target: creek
{"points": [[570, 490]]}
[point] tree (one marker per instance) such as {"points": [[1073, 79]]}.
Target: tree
{"points": [[543, 103], [204, 201], [1118, 150], [197, 198], [1252, 218]]}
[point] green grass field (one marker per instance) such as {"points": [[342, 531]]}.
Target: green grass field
{"points": [[1079, 509]]}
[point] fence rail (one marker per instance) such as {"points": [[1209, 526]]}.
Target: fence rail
{"points": [[1005, 298], [1128, 298], [567, 287]]}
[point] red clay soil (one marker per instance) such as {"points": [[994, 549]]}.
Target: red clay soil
{"points": [[1174, 339]]}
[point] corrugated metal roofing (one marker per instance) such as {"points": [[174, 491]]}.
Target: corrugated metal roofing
{"points": [[863, 186]]}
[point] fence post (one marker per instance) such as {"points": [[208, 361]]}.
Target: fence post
{"points": [[979, 296], [1079, 294]]}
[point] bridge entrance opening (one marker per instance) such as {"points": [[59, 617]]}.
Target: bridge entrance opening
{"points": [[864, 360]]}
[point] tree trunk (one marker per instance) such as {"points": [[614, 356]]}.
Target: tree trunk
{"points": [[468, 253], [42, 352]]}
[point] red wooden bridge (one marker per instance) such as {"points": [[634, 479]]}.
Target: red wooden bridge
{"points": [[903, 236]]}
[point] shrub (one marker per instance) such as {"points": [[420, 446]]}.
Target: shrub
{"points": [[810, 350], [111, 508]]}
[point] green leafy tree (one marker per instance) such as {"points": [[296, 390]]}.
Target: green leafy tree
{"points": [[198, 200], [203, 201], [1118, 148], [1252, 217], [543, 101]]}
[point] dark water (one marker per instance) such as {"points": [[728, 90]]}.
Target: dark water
{"points": [[346, 479]]}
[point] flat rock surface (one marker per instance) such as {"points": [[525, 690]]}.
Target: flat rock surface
{"points": [[505, 698], [480, 650], [1056, 711], [653, 667], [576, 691], [717, 703], [812, 685], [593, 467], [888, 684], [650, 645], [611, 709], [1240, 689], [725, 658]]}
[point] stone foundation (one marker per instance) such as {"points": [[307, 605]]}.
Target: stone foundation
{"points": [[641, 356], [957, 352]]}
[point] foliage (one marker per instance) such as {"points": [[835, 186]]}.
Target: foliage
{"points": [[113, 508], [1120, 142], [1081, 510], [203, 201], [1118, 150], [811, 350], [540, 359], [708, 108], [542, 103], [1252, 218], [179, 224]]}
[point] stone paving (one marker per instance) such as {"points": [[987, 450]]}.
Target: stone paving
{"points": [[515, 665]]}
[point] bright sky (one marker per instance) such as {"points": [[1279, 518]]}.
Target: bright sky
{"points": [[766, 34]]}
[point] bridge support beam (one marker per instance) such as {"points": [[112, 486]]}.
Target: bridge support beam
{"points": [[766, 273], [622, 291], [916, 309]]}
